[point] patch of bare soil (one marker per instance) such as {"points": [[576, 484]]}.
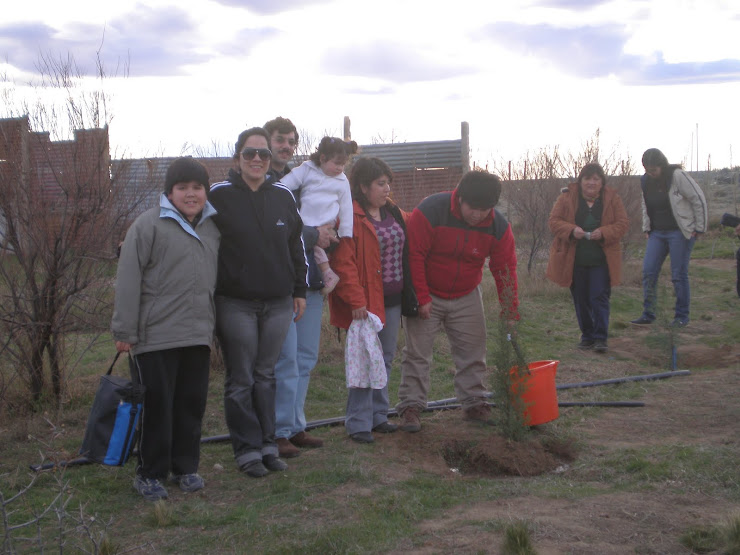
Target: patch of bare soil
{"points": [[700, 410], [497, 456]]}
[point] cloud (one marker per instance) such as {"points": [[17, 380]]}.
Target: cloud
{"points": [[375, 91], [266, 7], [570, 4], [158, 41], [598, 51], [152, 41], [21, 43], [394, 62]]}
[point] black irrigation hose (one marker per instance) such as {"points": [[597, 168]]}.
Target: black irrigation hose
{"points": [[442, 404], [643, 378]]}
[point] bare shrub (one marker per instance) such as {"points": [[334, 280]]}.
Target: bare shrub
{"points": [[62, 219]]}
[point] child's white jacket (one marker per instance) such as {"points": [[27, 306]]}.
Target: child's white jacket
{"points": [[322, 198]]}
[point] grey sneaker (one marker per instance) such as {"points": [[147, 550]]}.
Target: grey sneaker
{"points": [[273, 463], [255, 469], [150, 489], [189, 482], [680, 322]]}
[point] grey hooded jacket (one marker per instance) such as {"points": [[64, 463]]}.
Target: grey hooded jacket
{"points": [[165, 281]]}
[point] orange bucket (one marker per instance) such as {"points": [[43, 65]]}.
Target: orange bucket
{"points": [[540, 396]]}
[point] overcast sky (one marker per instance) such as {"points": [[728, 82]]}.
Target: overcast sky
{"points": [[524, 74]]}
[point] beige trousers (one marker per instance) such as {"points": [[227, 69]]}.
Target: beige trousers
{"points": [[465, 325]]}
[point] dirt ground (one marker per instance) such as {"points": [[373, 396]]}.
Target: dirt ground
{"points": [[650, 521]]}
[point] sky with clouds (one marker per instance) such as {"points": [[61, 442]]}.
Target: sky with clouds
{"points": [[524, 74]]}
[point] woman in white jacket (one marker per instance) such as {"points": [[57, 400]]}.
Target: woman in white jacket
{"points": [[674, 212]]}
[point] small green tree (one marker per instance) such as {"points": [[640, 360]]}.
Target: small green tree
{"points": [[509, 373]]}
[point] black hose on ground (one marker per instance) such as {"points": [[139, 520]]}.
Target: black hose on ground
{"points": [[442, 404], [642, 378], [439, 405], [612, 381]]}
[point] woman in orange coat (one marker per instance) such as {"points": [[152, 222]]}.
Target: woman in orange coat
{"points": [[374, 277], [588, 221]]}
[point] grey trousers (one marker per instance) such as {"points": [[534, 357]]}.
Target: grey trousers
{"points": [[251, 334], [368, 408]]}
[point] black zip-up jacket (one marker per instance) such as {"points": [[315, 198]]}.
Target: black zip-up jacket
{"points": [[261, 255]]}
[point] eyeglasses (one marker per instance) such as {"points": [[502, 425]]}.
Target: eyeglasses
{"points": [[250, 153]]}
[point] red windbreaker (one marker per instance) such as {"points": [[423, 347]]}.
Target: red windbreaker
{"points": [[447, 254]]}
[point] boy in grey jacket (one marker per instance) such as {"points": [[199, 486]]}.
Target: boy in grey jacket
{"points": [[164, 315]]}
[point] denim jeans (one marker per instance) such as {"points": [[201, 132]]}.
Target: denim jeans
{"points": [[659, 245], [298, 356], [591, 291], [366, 407], [251, 334]]}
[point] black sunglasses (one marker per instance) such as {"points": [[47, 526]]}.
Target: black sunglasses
{"points": [[263, 153]]}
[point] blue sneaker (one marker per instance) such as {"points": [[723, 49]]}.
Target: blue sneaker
{"points": [[151, 489], [189, 482]]}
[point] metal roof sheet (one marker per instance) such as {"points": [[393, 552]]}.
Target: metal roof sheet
{"points": [[409, 156]]}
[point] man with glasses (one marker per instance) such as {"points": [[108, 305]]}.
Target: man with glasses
{"points": [[301, 347], [283, 141]]}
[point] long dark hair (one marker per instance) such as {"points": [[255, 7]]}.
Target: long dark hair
{"points": [[364, 172], [654, 157]]}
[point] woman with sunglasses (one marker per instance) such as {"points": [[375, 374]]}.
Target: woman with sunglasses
{"points": [[261, 284]]}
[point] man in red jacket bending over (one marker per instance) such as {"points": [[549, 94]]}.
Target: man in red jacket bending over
{"points": [[450, 236]]}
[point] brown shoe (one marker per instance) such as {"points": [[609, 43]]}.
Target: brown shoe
{"points": [[304, 439], [286, 449], [479, 413], [410, 421]]}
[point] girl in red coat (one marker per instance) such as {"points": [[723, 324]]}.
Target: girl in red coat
{"points": [[374, 277]]}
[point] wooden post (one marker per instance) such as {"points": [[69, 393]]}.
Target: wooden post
{"points": [[465, 146], [347, 130]]}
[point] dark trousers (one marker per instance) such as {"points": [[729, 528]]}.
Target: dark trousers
{"points": [[591, 291], [176, 382]]}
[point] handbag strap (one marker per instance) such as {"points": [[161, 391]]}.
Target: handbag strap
{"points": [[112, 364], [134, 368]]}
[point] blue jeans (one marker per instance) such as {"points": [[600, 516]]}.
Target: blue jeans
{"points": [[298, 356], [659, 245], [366, 407], [591, 291], [251, 334]]}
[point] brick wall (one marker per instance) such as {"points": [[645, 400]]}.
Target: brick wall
{"points": [[409, 188]]}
